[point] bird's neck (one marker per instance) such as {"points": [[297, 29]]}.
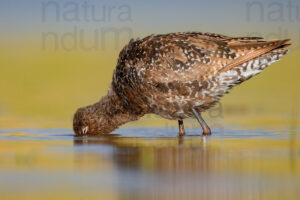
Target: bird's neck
{"points": [[114, 111]]}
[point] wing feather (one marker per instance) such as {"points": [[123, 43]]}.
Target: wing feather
{"points": [[186, 62]]}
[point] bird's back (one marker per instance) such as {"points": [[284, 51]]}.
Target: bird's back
{"points": [[171, 74]]}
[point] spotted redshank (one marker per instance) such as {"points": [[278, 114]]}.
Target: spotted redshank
{"points": [[176, 76]]}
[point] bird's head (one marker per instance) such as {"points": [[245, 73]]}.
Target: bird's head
{"points": [[102, 117], [90, 121]]}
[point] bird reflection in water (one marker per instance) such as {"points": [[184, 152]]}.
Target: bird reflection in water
{"points": [[159, 154], [189, 167]]}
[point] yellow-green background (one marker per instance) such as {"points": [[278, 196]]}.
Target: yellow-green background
{"points": [[43, 87]]}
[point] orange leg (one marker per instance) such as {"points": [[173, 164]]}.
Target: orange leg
{"points": [[205, 127], [181, 127]]}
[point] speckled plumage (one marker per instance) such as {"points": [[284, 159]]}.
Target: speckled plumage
{"points": [[171, 74]]}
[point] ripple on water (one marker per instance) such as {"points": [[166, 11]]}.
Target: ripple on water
{"points": [[146, 132], [150, 163]]}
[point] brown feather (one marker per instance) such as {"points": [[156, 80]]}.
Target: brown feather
{"points": [[172, 74]]}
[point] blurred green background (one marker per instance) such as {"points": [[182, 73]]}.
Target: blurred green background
{"points": [[57, 56]]}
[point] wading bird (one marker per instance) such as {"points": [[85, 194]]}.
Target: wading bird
{"points": [[176, 76]]}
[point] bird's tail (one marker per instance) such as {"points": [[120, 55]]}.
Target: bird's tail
{"points": [[249, 50], [249, 66]]}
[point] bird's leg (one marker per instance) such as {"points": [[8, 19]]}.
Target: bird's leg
{"points": [[205, 127], [181, 127]]}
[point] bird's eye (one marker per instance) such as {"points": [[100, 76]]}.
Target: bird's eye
{"points": [[84, 131]]}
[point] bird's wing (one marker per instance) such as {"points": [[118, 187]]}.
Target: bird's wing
{"points": [[184, 59], [248, 50], [177, 57], [198, 56]]}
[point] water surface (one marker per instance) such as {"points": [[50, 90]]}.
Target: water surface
{"points": [[150, 163]]}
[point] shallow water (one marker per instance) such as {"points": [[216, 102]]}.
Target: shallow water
{"points": [[150, 163]]}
